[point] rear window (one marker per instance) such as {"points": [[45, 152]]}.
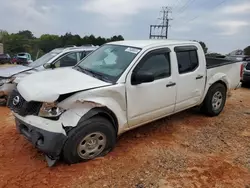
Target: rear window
{"points": [[21, 54]]}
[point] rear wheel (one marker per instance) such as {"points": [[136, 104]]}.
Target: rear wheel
{"points": [[90, 139], [215, 100]]}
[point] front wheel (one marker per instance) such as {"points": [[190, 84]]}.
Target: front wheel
{"points": [[215, 100], [90, 139]]}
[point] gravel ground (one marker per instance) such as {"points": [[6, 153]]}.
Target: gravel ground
{"points": [[184, 150]]}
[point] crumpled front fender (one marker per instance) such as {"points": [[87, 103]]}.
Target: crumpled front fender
{"points": [[82, 108]]}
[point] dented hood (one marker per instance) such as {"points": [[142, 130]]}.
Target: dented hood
{"points": [[47, 86], [7, 72]]}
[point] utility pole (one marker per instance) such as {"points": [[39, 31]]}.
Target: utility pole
{"points": [[163, 27]]}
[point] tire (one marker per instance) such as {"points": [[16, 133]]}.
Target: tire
{"points": [[83, 134], [214, 109]]}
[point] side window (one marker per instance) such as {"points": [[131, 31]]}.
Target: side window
{"points": [[158, 64], [187, 61], [67, 60]]}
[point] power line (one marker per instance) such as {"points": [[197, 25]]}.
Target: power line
{"points": [[185, 6], [175, 5], [214, 7], [163, 27], [217, 5]]}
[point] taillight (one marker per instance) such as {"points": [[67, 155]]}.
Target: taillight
{"points": [[241, 70]]}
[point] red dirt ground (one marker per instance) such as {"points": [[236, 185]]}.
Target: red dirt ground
{"points": [[184, 150]]}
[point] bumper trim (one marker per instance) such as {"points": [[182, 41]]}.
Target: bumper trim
{"points": [[49, 143]]}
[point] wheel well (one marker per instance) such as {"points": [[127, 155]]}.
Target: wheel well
{"points": [[104, 112], [220, 82]]}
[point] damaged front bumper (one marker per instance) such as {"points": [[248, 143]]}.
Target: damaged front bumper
{"points": [[5, 89], [47, 139]]}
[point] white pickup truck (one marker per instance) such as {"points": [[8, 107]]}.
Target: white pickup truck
{"points": [[78, 113]]}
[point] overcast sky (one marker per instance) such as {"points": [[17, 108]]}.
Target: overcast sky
{"points": [[224, 27]]}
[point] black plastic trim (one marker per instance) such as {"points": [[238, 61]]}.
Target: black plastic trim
{"points": [[185, 48], [52, 144], [103, 111]]}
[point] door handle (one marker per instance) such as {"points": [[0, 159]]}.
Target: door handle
{"points": [[170, 84], [199, 77]]}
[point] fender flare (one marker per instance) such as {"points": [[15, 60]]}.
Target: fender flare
{"points": [[102, 111], [217, 78]]}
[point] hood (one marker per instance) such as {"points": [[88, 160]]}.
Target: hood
{"points": [[20, 76], [47, 86], [7, 72]]}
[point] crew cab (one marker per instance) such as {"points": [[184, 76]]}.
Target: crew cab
{"points": [[78, 113], [57, 58]]}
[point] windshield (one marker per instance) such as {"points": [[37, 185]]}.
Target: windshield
{"points": [[44, 59], [109, 61]]}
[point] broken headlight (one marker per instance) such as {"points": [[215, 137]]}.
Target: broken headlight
{"points": [[50, 110]]}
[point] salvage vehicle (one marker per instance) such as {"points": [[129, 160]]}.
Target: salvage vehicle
{"points": [[78, 113], [4, 58], [246, 73], [60, 57], [23, 58], [245, 79]]}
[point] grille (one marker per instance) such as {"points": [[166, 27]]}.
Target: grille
{"points": [[248, 66], [20, 106]]}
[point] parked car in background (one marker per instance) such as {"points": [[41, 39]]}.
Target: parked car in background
{"points": [[4, 58], [22, 59], [79, 112], [246, 72], [60, 57], [239, 55]]}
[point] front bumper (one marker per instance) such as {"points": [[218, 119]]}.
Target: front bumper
{"points": [[49, 142]]}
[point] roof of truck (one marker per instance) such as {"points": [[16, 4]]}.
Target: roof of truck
{"points": [[151, 42]]}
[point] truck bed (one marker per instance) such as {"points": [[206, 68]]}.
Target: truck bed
{"points": [[213, 62], [230, 68]]}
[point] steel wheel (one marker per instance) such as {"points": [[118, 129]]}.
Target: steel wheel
{"points": [[217, 100], [91, 145]]}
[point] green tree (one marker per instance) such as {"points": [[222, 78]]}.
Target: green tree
{"points": [[26, 34], [49, 42], [247, 50], [25, 41], [203, 45]]}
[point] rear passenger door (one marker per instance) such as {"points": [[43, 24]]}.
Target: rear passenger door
{"points": [[191, 78]]}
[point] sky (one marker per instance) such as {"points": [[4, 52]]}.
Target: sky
{"points": [[224, 25]]}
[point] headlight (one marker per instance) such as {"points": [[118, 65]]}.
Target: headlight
{"points": [[6, 81], [50, 110]]}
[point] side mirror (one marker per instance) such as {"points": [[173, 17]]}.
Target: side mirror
{"points": [[141, 77], [49, 66]]}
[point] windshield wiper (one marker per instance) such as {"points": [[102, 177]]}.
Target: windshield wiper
{"points": [[94, 74]]}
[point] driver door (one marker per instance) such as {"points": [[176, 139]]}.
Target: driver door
{"points": [[153, 100]]}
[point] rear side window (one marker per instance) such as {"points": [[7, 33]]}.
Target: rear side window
{"points": [[187, 61]]}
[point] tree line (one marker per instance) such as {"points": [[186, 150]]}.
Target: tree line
{"points": [[25, 41]]}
